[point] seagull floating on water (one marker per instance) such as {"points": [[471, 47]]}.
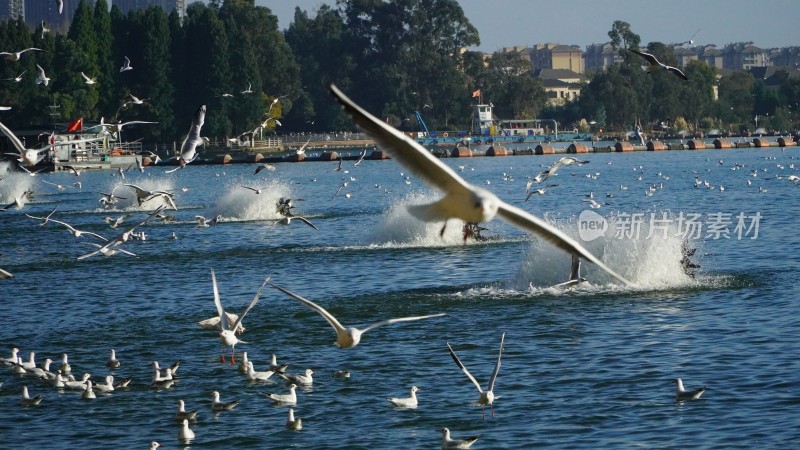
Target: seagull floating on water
{"points": [[682, 394], [448, 442], [405, 402], [292, 423], [217, 405], [182, 414], [347, 337], [289, 399], [185, 434], [462, 200]]}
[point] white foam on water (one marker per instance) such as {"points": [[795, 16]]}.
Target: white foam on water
{"points": [[398, 228], [239, 204], [14, 184]]}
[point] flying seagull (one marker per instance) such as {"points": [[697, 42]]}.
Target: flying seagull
{"points": [[654, 64], [42, 77], [462, 200], [126, 65], [15, 56], [346, 337], [227, 335], [192, 140], [88, 80], [487, 396]]}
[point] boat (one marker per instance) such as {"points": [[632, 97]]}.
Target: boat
{"points": [[488, 130]]}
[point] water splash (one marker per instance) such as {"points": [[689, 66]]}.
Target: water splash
{"points": [[399, 228], [14, 185], [239, 203]]}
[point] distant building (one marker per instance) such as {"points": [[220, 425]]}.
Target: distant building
{"points": [[601, 57], [561, 85], [557, 56], [127, 5], [744, 56]]}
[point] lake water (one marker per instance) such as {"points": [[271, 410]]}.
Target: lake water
{"points": [[591, 367]]}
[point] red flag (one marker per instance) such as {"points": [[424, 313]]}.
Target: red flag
{"points": [[75, 125], [476, 93]]}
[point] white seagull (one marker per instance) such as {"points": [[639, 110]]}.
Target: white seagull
{"points": [[305, 379], [682, 394], [347, 337], [192, 140], [136, 100], [126, 65], [289, 399], [27, 400], [292, 423], [182, 414], [88, 80], [16, 79], [654, 64], [113, 362], [405, 402], [186, 434], [15, 56], [254, 375], [462, 200], [76, 232], [42, 77], [249, 89], [487, 397], [550, 171], [227, 335], [448, 442], [60, 6], [217, 405]]}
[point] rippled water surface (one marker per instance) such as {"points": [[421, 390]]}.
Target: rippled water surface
{"points": [[590, 367]]}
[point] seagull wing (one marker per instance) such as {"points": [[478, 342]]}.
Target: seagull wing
{"points": [[85, 77], [402, 148], [306, 221], [464, 369], [497, 366], [401, 319], [527, 221], [677, 72], [250, 306], [13, 138], [193, 137], [651, 59], [223, 319], [337, 326]]}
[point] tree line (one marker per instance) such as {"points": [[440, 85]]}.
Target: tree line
{"points": [[394, 57]]}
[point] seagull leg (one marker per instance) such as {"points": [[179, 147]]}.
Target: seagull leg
{"points": [[492, 407], [233, 356], [222, 355], [483, 412], [441, 233]]}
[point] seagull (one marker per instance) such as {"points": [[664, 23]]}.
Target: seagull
{"points": [[44, 219], [74, 231], [275, 367], [15, 56], [112, 362], [682, 394], [447, 442], [347, 337], [182, 414], [292, 423], [549, 172], [305, 379], [27, 400], [106, 250], [88, 392], [217, 405], [154, 445], [257, 191], [136, 101], [213, 322], [106, 387], [5, 275], [254, 375], [44, 29], [88, 80], [539, 191], [65, 368], [302, 150], [268, 166], [60, 6], [691, 39], [288, 399], [186, 434], [42, 78], [341, 374], [192, 140], [249, 89], [288, 220], [227, 334], [654, 64], [115, 222], [487, 397], [405, 402], [126, 65], [462, 200], [16, 79]]}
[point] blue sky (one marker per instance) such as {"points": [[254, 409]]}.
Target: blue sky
{"points": [[501, 23]]}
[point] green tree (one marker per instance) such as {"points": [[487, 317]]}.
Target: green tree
{"points": [[735, 105], [622, 37], [105, 62]]}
